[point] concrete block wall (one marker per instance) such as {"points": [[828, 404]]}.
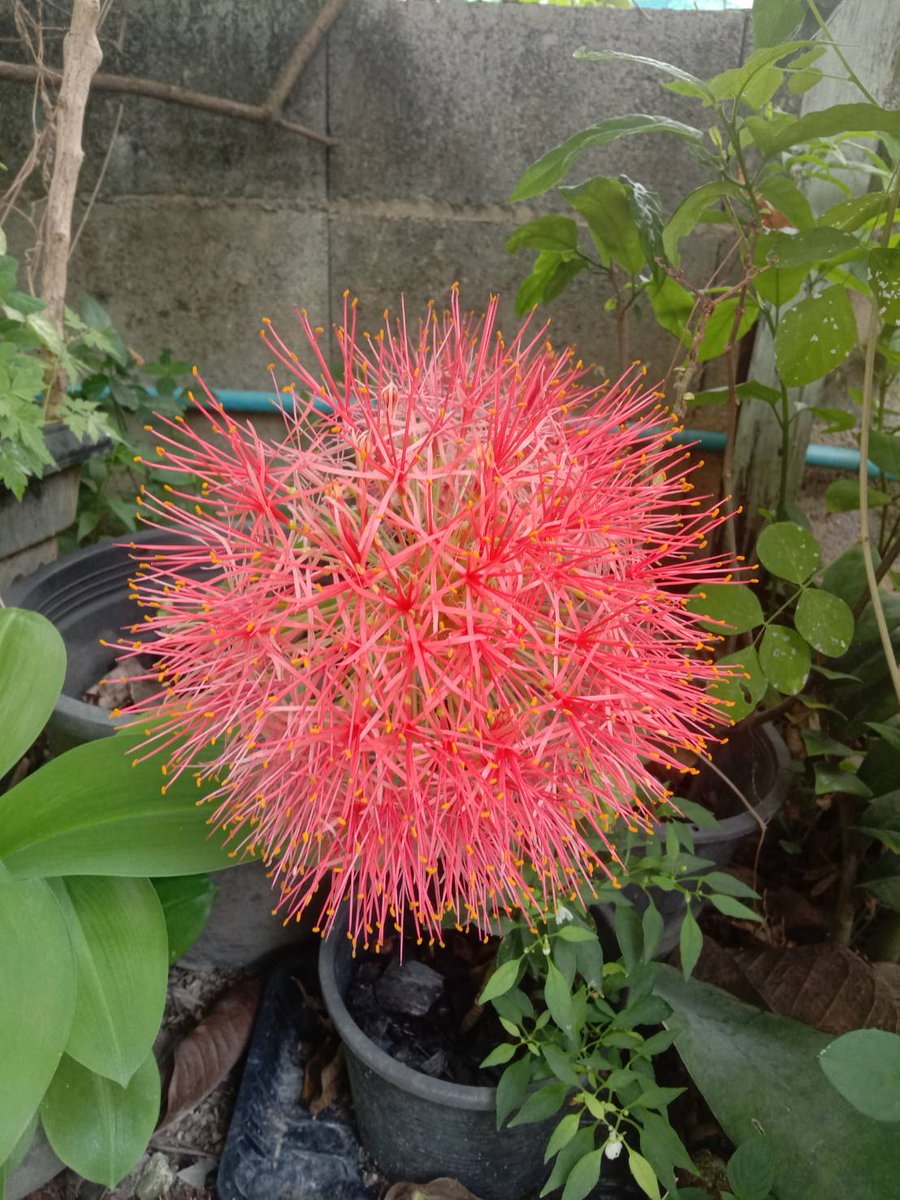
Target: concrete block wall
{"points": [[203, 224]]}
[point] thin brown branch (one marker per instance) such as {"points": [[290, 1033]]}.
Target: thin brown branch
{"points": [[170, 93], [104, 167], [302, 53]]}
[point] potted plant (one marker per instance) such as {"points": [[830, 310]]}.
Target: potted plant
{"points": [[436, 635]]}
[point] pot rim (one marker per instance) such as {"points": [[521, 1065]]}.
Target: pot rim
{"points": [[767, 806], [425, 1087]]}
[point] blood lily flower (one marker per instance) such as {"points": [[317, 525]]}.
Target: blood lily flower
{"points": [[435, 637]]}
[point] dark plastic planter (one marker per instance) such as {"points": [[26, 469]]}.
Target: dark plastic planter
{"points": [[758, 762], [86, 596], [418, 1128]]}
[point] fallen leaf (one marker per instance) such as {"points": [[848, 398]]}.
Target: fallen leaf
{"points": [[324, 1076], [203, 1059], [826, 986], [438, 1189]]}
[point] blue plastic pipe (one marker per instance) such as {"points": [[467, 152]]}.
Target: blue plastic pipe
{"points": [[833, 458]]}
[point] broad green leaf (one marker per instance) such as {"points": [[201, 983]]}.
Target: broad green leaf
{"points": [[825, 621], [864, 1066], [854, 213], [97, 1127], [583, 1177], [751, 1169], [740, 691], [815, 336], [728, 885], [32, 669], [549, 232], [756, 80], [845, 576], [562, 1134], [652, 926], [785, 659], [118, 937], [701, 88], [782, 193], [824, 123], [883, 881], [843, 496], [37, 1000], [606, 205], [643, 1174], [830, 779], [884, 451], [733, 908], [672, 304], [501, 981], [690, 941], [730, 607], [186, 901], [757, 1070], [90, 812], [558, 998], [551, 274], [553, 166], [511, 1088], [582, 1143], [663, 1149], [719, 332], [817, 743], [541, 1104], [882, 820], [884, 276], [629, 935], [789, 551], [814, 246], [561, 1064], [687, 214], [838, 421]]}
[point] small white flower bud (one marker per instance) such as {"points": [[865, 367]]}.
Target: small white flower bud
{"points": [[613, 1148]]}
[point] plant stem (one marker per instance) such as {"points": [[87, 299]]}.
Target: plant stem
{"points": [[851, 74]]}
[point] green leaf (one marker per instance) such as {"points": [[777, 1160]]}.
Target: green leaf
{"points": [[815, 336], [730, 604], [846, 575], [785, 197], [816, 742], [785, 659], [883, 881], [606, 205], [186, 901], [551, 275], [884, 276], [882, 820], [541, 1104], [97, 1127], [687, 214], [652, 926], [118, 937], [673, 305], [751, 1169], [733, 908], [690, 941], [814, 247], [699, 86], [499, 1056], [643, 1174], [856, 212], [32, 669], [719, 331], [501, 981], [37, 1000], [629, 935], [789, 551], [864, 1066], [825, 621], [663, 1149], [90, 812], [728, 885], [884, 451], [757, 1070], [824, 123], [512, 1087], [553, 166], [583, 1177], [562, 1134], [589, 958], [838, 421], [741, 691], [829, 780], [550, 232], [843, 496], [558, 998]]}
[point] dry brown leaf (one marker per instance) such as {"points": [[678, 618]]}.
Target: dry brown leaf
{"points": [[826, 986], [438, 1189], [203, 1059], [323, 1077]]}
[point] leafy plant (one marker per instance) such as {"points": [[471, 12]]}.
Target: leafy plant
{"points": [[84, 938]]}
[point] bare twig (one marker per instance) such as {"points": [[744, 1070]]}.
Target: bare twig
{"points": [[707, 762], [100, 177], [81, 58], [300, 56], [170, 93]]}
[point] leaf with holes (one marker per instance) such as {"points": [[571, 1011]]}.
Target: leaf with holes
{"points": [[743, 687], [789, 551], [815, 336]]}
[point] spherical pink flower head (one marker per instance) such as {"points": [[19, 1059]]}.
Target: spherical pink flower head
{"points": [[431, 640]]}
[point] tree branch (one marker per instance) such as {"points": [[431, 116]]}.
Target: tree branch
{"points": [[170, 93], [302, 53]]}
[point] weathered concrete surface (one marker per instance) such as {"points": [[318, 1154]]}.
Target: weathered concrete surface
{"points": [[197, 276]]}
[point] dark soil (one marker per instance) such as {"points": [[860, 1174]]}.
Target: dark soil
{"points": [[419, 1007]]}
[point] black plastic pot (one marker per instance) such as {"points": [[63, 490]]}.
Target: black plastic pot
{"points": [[86, 596], [758, 763], [418, 1128]]}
